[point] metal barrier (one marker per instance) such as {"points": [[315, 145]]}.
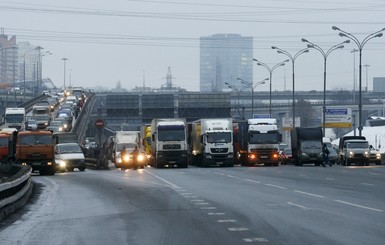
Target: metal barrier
{"points": [[11, 192]]}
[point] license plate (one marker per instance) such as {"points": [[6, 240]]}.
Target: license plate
{"points": [[172, 162], [264, 156], [36, 164]]}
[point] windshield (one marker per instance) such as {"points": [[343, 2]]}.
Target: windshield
{"points": [[219, 137], [311, 145], [258, 138], [14, 118], [62, 149], [4, 141], [41, 117], [361, 145], [171, 133], [35, 139], [41, 111], [129, 146]]}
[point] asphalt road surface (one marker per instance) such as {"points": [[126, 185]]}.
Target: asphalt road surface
{"points": [[240, 205]]}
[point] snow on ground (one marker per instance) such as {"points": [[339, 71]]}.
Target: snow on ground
{"points": [[374, 135]]}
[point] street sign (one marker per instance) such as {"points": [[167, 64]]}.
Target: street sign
{"points": [[287, 123], [338, 118]]}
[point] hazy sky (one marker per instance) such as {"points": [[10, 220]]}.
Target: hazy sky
{"points": [[107, 41]]}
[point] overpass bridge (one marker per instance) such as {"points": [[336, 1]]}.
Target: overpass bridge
{"points": [[130, 110]]}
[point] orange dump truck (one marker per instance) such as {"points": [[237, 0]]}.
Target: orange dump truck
{"points": [[4, 141], [34, 148]]}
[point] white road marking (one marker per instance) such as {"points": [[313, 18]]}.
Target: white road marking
{"points": [[297, 205], [232, 176], [367, 184], [253, 181], [238, 229], [309, 194], [255, 239], [216, 213], [190, 196], [174, 186], [226, 221], [359, 206], [201, 203], [376, 174], [196, 200], [185, 193], [208, 208], [329, 179], [277, 186]]}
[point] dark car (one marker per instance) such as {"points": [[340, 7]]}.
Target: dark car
{"points": [[286, 156]]}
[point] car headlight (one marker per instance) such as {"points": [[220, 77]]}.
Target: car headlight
{"points": [[126, 158], [119, 160], [351, 153], [61, 163]]}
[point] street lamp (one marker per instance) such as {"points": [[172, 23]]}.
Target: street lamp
{"points": [[64, 60], [325, 56], [237, 90], [41, 70], [252, 87], [292, 58], [360, 46], [271, 76]]}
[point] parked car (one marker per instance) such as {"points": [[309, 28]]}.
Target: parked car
{"points": [[69, 156]]}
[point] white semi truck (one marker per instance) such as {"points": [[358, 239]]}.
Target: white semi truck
{"points": [[212, 142], [14, 118], [169, 142], [259, 142], [128, 140]]}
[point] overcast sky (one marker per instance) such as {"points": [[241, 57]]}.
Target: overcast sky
{"points": [[107, 41]]}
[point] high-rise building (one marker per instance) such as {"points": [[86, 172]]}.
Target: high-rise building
{"points": [[28, 60], [223, 59], [8, 59]]}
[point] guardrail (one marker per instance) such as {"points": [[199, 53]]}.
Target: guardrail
{"points": [[81, 122], [13, 193]]}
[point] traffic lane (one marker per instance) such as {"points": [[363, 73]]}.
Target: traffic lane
{"points": [[111, 207], [277, 213], [359, 184]]}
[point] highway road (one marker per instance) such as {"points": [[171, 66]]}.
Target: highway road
{"points": [[240, 205]]}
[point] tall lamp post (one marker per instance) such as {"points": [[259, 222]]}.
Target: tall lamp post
{"points": [[292, 58], [252, 87], [325, 56], [271, 76], [64, 60], [237, 90], [360, 46]]}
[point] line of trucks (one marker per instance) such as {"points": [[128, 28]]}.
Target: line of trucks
{"points": [[224, 142], [204, 142]]}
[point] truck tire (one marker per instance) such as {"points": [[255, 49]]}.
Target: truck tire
{"points": [[82, 168]]}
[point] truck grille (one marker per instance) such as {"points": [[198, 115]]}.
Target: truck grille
{"points": [[36, 156], [171, 146], [219, 150]]}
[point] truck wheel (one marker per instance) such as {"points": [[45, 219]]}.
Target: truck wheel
{"points": [[82, 169]]}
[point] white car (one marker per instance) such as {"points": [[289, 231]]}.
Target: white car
{"points": [[31, 124], [69, 156]]}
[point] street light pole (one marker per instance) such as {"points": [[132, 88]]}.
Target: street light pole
{"points": [[367, 85], [250, 85], [360, 46], [64, 60], [292, 58], [270, 70], [325, 56]]}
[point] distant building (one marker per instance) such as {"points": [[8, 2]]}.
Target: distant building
{"points": [[8, 59], [379, 84], [223, 59], [28, 59]]}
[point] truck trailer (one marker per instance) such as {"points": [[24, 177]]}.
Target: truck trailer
{"points": [[169, 142], [212, 142]]}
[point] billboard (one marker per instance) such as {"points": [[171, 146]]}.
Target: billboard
{"points": [[338, 118]]}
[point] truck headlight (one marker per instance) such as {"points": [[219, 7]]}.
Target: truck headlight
{"points": [[140, 158], [351, 153], [119, 160], [126, 158], [252, 156]]}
